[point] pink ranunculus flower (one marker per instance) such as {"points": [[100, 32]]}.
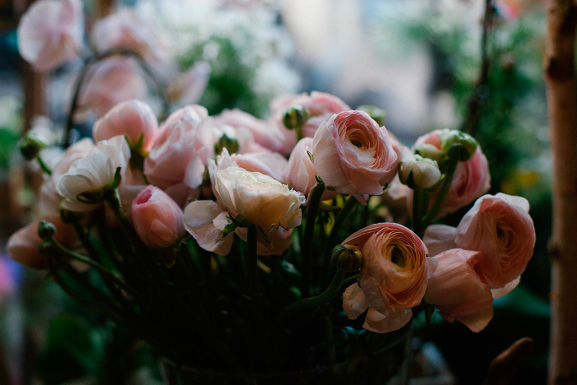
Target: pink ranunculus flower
{"points": [[23, 245], [50, 33], [124, 29], [157, 218], [471, 179], [500, 228], [319, 106], [188, 87], [393, 278], [301, 172], [113, 80], [133, 119], [458, 292], [181, 149], [264, 133], [353, 155]]}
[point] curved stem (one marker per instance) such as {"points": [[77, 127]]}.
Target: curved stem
{"points": [[44, 166], [431, 215], [306, 249], [308, 303]]}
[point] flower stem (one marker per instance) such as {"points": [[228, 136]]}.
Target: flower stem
{"points": [[419, 205], [307, 303], [349, 207], [431, 215], [44, 166], [307, 246]]}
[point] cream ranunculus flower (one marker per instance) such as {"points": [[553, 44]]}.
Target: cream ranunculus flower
{"points": [[259, 198], [93, 173]]}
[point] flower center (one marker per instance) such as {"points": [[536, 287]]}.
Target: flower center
{"points": [[397, 257]]}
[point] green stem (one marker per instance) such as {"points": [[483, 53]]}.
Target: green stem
{"points": [[329, 337], [419, 206], [299, 131], [312, 302], [307, 247], [406, 365], [44, 166], [431, 215], [349, 207], [350, 280]]}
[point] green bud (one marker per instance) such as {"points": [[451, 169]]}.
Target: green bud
{"points": [[430, 152], [46, 230], [347, 257], [228, 142], [31, 146], [295, 117], [458, 145], [378, 114]]}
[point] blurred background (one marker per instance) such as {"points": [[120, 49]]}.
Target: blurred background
{"points": [[429, 63]]}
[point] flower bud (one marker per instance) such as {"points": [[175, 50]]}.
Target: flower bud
{"points": [[419, 172], [31, 146], [46, 229], [429, 151], [378, 114], [295, 117], [228, 142], [459, 146], [347, 257]]}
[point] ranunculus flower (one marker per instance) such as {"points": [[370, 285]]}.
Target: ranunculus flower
{"points": [[500, 228], [50, 33], [301, 172], [393, 278], [471, 179], [23, 245], [353, 155], [265, 134], [124, 29], [132, 118], [113, 80], [420, 172], [259, 198], [157, 218], [319, 106], [458, 292], [181, 149], [92, 173], [268, 163], [189, 86], [49, 198]]}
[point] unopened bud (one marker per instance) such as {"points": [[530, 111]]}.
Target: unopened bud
{"points": [[295, 117], [458, 145], [347, 257], [31, 146], [378, 114], [419, 172], [46, 230], [228, 142], [431, 152]]}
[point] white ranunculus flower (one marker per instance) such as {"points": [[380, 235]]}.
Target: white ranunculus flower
{"points": [[420, 172], [259, 198], [93, 172]]}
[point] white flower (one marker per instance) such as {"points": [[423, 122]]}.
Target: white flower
{"points": [[420, 172], [259, 198], [93, 173]]}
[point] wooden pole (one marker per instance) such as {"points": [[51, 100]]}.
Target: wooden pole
{"points": [[562, 102]]}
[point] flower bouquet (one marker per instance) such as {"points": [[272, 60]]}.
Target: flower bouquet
{"points": [[299, 249]]}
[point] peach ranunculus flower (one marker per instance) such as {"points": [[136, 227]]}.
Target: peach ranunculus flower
{"points": [[500, 228], [124, 29], [319, 106], [113, 80], [471, 179], [23, 245], [259, 198], [353, 155], [157, 218], [50, 33], [88, 176], [458, 292], [393, 277], [133, 119], [181, 150]]}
